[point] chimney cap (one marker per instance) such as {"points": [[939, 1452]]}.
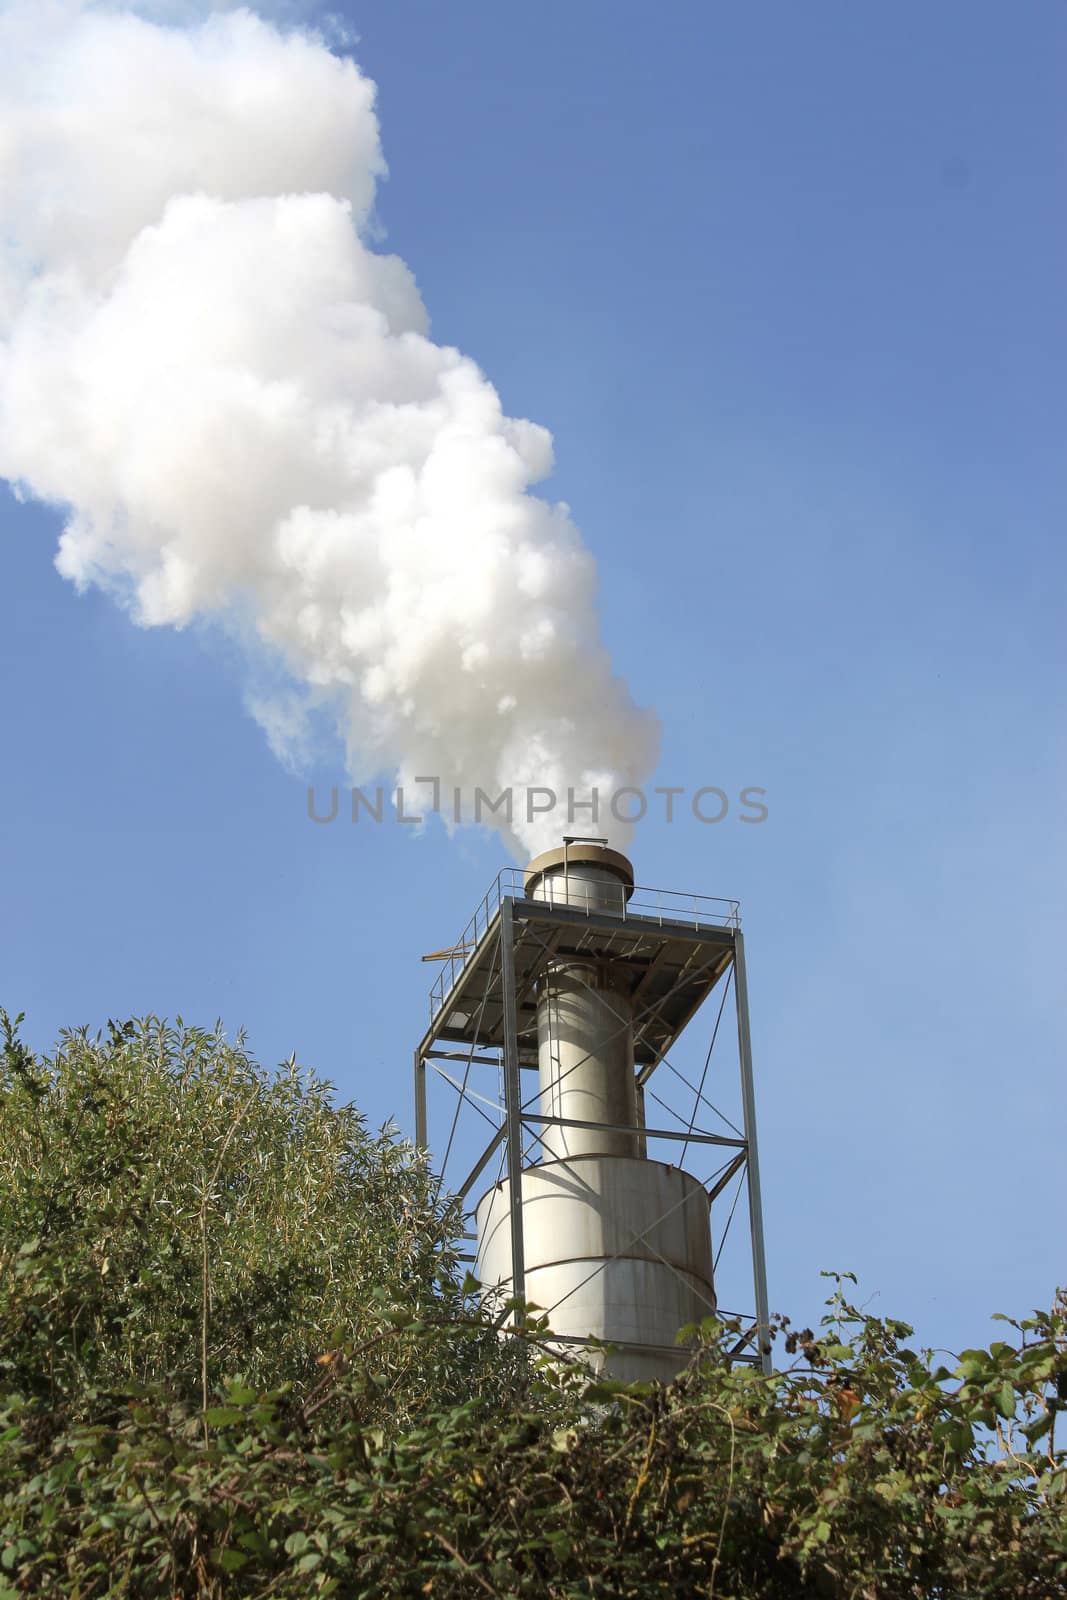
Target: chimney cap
{"points": [[575, 853]]}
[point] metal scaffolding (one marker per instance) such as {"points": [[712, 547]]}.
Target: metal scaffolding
{"points": [[672, 952]]}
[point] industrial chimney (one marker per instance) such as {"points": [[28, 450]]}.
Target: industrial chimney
{"points": [[587, 982]]}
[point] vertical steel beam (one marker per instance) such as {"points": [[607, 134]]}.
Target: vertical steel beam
{"points": [[755, 1201], [512, 1098], [420, 1101]]}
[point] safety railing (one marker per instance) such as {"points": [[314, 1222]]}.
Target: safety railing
{"points": [[662, 906]]}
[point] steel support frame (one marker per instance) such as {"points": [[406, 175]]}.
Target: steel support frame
{"points": [[516, 1119], [512, 1103], [755, 1196]]}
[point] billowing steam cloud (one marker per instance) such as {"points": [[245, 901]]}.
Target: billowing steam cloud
{"points": [[236, 397]]}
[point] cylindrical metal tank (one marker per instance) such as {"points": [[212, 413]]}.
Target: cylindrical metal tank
{"points": [[617, 1248]]}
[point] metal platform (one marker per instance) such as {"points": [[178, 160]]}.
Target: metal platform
{"points": [[669, 968], [674, 946]]}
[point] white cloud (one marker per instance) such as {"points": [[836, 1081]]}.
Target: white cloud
{"points": [[237, 397]]}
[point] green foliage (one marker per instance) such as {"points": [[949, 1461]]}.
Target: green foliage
{"points": [[170, 1214], [367, 1434]]}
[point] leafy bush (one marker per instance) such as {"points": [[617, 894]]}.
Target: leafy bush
{"points": [[367, 1433], [170, 1214]]}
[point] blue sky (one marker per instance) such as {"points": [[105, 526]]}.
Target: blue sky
{"points": [[786, 283]]}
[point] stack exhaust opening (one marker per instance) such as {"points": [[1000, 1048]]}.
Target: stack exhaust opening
{"points": [[617, 1246]]}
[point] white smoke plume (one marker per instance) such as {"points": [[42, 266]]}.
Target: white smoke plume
{"points": [[236, 400]]}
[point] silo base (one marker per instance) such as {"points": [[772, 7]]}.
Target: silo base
{"points": [[617, 1248]]}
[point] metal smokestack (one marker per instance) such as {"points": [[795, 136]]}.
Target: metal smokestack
{"points": [[585, 1052], [617, 1247], [575, 985]]}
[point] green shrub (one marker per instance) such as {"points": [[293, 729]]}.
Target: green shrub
{"points": [[236, 1361]]}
